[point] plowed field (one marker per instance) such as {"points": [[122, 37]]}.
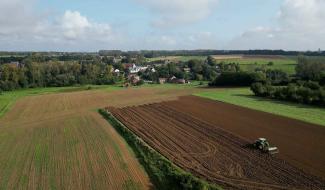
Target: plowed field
{"points": [[208, 150]]}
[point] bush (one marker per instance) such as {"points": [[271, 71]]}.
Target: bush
{"points": [[277, 77], [310, 68], [238, 79], [301, 92], [140, 82], [312, 85]]}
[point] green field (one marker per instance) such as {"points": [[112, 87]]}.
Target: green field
{"points": [[176, 58], [287, 65], [244, 97]]}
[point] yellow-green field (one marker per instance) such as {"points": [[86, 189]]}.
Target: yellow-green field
{"points": [[57, 140]]}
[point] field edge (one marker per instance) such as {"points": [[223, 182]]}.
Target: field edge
{"points": [[161, 171], [240, 97]]}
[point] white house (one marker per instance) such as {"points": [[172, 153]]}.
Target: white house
{"points": [[135, 69]]}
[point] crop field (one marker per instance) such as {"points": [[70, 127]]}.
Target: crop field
{"points": [[209, 139], [59, 141], [247, 63], [244, 97], [176, 58], [251, 63], [7, 99]]}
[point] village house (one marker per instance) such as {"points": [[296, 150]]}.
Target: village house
{"points": [[135, 69], [116, 72]]}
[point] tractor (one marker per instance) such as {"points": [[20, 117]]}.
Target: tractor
{"points": [[264, 146]]}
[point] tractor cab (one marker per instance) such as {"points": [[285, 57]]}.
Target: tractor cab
{"points": [[263, 145]]}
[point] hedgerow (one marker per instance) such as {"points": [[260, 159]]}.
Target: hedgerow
{"points": [[164, 174]]}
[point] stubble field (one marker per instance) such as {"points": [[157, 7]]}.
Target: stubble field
{"points": [[58, 141]]}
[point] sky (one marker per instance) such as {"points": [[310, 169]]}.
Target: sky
{"points": [[91, 25]]}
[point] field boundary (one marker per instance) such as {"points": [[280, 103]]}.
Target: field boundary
{"points": [[163, 173], [243, 97]]}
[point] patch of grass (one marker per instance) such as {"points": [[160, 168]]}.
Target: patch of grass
{"points": [[130, 185], [193, 84], [244, 97]]}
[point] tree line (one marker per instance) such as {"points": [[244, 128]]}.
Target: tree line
{"points": [[30, 74], [307, 87], [158, 53]]}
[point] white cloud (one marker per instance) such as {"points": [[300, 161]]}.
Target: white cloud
{"points": [[178, 12], [23, 28], [300, 26], [74, 25]]}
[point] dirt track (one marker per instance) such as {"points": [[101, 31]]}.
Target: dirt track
{"points": [[208, 150]]}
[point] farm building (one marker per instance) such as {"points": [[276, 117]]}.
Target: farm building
{"points": [[179, 81], [175, 80]]}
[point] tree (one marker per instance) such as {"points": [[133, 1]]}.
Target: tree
{"points": [[310, 68], [127, 59], [211, 61], [277, 77], [196, 66]]}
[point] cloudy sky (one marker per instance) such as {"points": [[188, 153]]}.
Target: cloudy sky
{"points": [[90, 25]]}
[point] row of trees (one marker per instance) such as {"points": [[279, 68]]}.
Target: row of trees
{"points": [[307, 87], [232, 75], [53, 73], [301, 92], [190, 70], [237, 79], [311, 68], [158, 53]]}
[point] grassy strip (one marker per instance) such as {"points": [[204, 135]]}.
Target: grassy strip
{"points": [[245, 98], [163, 173]]}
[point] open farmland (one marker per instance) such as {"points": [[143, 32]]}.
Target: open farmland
{"points": [[58, 141], [250, 63], [211, 148], [244, 97], [246, 62]]}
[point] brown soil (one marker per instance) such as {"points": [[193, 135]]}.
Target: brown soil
{"points": [[212, 148], [300, 143]]}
